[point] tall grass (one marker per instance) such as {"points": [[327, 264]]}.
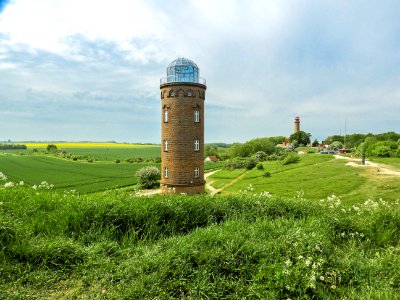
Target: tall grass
{"points": [[119, 246]]}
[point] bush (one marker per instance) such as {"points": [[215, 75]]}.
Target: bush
{"points": [[241, 163], [382, 151], [148, 177], [51, 148], [267, 174], [117, 161], [260, 156], [260, 166], [291, 158]]}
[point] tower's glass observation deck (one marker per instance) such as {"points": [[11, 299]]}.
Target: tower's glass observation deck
{"points": [[182, 70]]}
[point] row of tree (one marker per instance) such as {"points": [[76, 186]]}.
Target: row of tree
{"points": [[6, 146], [354, 140]]}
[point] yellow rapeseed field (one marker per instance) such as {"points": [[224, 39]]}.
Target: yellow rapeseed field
{"points": [[87, 145]]}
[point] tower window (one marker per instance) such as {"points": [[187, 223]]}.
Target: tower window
{"points": [[196, 145], [171, 93], [165, 116], [197, 172], [165, 172], [189, 93], [165, 145], [196, 116]]}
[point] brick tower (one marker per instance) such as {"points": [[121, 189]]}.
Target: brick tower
{"points": [[296, 124], [182, 128]]}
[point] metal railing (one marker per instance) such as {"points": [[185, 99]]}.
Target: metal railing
{"points": [[168, 79]]}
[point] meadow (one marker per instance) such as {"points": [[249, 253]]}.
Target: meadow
{"points": [[317, 176], [116, 245], [67, 174], [102, 151]]}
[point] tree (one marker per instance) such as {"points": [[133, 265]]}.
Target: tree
{"points": [[336, 145], [148, 177], [211, 150], [315, 143], [52, 148], [302, 138]]}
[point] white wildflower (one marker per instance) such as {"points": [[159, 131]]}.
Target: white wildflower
{"points": [[322, 278], [21, 183], [308, 261], [9, 184], [288, 262], [2, 176]]}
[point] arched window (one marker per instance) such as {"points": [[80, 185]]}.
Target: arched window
{"points": [[196, 116], [165, 145], [165, 172], [190, 93], [196, 145], [172, 93], [197, 172], [165, 116]]}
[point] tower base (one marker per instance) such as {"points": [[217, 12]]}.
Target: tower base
{"points": [[182, 189]]}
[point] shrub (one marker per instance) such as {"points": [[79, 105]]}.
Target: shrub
{"points": [[241, 163], [51, 148], [291, 158], [117, 161], [148, 177], [382, 151], [260, 166], [260, 156], [267, 174]]}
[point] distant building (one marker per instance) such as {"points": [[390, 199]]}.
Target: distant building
{"points": [[296, 124], [182, 128], [211, 158]]}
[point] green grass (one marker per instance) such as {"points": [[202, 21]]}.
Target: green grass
{"points": [[394, 161], [103, 153], [317, 176], [114, 245], [66, 174], [116, 153]]}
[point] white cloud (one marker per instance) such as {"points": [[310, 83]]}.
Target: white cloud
{"points": [[264, 61]]}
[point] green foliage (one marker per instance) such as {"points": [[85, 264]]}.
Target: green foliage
{"points": [[355, 140], [260, 166], [240, 163], [51, 148], [315, 143], [211, 150], [335, 146], [251, 147], [8, 146], [301, 138], [291, 158], [148, 177], [260, 156], [115, 245]]}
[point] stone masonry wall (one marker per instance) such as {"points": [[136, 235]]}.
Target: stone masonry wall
{"points": [[181, 100]]}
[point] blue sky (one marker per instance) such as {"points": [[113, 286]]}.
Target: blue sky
{"points": [[89, 70]]}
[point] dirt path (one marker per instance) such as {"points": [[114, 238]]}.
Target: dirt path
{"points": [[215, 191], [380, 168]]}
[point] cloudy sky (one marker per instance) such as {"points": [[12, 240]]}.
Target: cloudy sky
{"points": [[90, 69]]}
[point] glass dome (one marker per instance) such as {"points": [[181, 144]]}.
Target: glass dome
{"points": [[182, 70]]}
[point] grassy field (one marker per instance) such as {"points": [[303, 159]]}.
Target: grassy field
{"points": [[100, 151], [114, 245], [66, 174], [316, 175]]}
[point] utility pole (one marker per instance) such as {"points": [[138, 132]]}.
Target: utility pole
{"points": [[345, 132]]}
